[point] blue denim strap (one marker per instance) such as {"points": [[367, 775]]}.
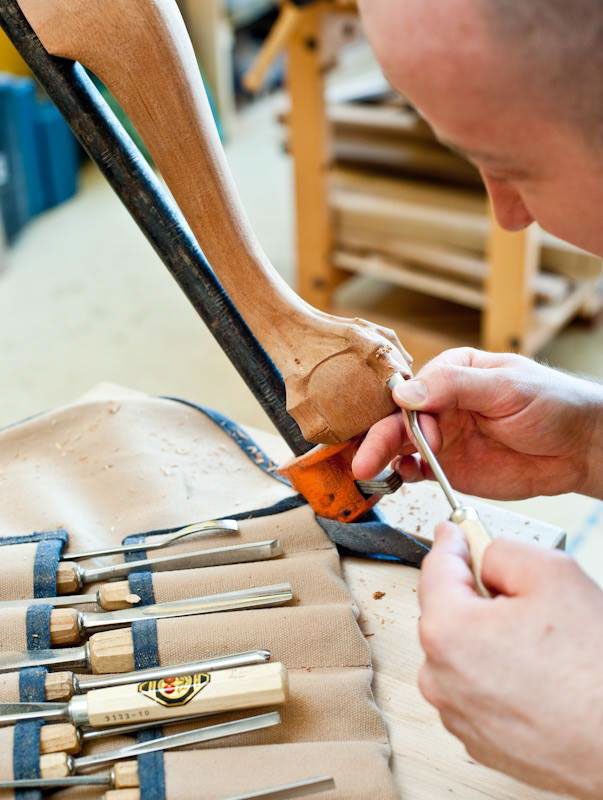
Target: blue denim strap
{"points": [[32, 689], [50, 546], [37, 626]]}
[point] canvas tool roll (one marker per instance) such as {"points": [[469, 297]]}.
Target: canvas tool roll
{"points": [[117, 464]]}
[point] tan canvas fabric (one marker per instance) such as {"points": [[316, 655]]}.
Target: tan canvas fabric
{"points": [[306, 636], [359, 768], [17, 570], [315, 579], [9, 687], [103, 469], [12, 629], [6, 761]]}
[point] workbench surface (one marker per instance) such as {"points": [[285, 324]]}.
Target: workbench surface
{"points": [[428, 762]]}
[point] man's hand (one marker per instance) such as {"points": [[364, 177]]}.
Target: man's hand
{"points": [[516, 678], [504, 427]]}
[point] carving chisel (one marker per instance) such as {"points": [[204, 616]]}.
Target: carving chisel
{"points": [[195, 694], [466, 517], [125, 775], [157, 541], [66, 737], [67, 625], [60, 765], [71, 577], [290, 790], [63, 685], [112, 652]]}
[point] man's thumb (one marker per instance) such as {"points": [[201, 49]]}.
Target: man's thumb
{"points": [[447, 386]]}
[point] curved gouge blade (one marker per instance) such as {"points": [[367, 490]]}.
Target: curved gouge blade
{"points": [[69, 657], [157, 542], [58, 783], [212, 557], [246, 659], [11, 713], [185, 739], [290, 790], [259, 597]]}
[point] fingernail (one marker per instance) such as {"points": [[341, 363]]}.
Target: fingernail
{"points": [[411, 394]]}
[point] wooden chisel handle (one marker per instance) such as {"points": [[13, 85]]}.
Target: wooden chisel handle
{"points": [[115, 595], [60, 737], [141, 51], [58, 686], [64, 626], [188, 695], [112, 596], [56, 765], [478, 540], [65, 629], [68, 580], [111, 651]]}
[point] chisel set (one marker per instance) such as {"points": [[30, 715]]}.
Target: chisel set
{"points": [[77, 710]]}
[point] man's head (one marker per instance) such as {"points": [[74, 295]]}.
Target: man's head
{"points": [[514, 86]]}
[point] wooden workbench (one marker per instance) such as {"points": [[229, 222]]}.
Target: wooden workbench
{"points": [[428, 762]]}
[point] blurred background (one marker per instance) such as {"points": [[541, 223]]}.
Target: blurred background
{"points": [[355, 203]]}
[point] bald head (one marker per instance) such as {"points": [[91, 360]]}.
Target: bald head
{"points": [[551, 50], [517, 87], [559, 45]]}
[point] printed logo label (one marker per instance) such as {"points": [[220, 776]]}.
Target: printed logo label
{"points": [[174, 691]]}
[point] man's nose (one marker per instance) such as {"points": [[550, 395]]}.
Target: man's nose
{"points": [[508, 206]]}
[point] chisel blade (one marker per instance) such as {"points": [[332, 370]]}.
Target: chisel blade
{"points": [[11, 713], [154, 542], [290, 790], [57, 783], [209, 557], [262, 596], [209, 733], [66, 600], [69, 657]]}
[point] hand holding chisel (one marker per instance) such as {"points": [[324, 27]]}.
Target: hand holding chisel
{"points": [[465, 517]]}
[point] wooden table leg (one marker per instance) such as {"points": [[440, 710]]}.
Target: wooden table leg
{"points": [[311, 147], [513, 260]]}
